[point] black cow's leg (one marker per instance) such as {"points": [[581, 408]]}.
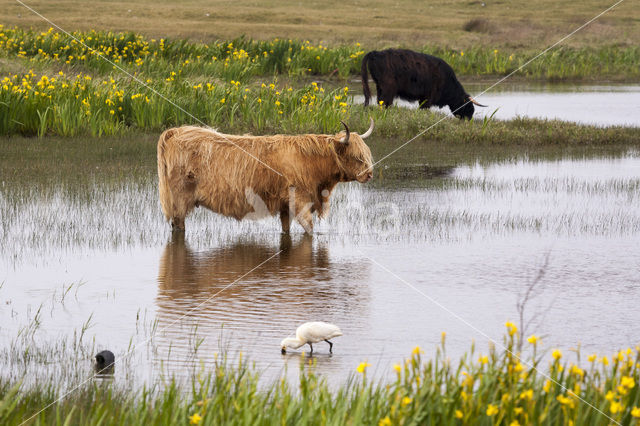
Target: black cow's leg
{"points": [[311, 346], [386, 98], [330, 346]]}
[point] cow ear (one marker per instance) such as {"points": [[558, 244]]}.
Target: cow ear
{"points": [[339, 146]]}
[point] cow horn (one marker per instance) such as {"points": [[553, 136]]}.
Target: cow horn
{"points": [[473, 101], [368, 132], [345, 140]]}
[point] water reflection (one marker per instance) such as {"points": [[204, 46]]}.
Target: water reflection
{"points": [[206, 293], [612, 105]]}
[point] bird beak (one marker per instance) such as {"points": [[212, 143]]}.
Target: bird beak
{"points": [[283, 351]]}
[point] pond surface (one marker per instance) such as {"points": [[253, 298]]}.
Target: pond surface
{"points": [[393, 267], [602, 105]]}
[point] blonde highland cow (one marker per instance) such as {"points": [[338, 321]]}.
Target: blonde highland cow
{"points": [[254, 176]]}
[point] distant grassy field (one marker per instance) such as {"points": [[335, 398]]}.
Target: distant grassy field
{"points": [[458, 24]]}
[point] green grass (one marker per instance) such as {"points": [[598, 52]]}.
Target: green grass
{"points": [[494, 388], [237, 86], [241, 59], [78, 105]]}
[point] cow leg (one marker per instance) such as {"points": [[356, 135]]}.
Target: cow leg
{"points": [[177, 224], [183, 198], [285, 220], [304, 215], [385, 97]]}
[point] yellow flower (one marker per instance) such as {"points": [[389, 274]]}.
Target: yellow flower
{"points": [[492, 410], [362, 367], [483, 359], [591, 357], [461, 53], [615, 407], [511, 328], [528, 394], [222, 100], [635, 411], [577, 371], [627, 382], [112, 112], [556, 354], [547, 386], [610, 396], [605, 360], [397, 367], [533, 339], [385, 422], [518, 368], [195, 419], [565, 400], [518, 411], [416, 351], [406, 401], [458, 414], [514, 423]]}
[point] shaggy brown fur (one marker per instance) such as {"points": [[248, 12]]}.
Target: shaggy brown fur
{"points": [[201, 167]]}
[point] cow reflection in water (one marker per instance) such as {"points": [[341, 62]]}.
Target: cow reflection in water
{"points": [[253, 312]]}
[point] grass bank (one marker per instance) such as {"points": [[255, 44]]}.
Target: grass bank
{"points": [[494, 388], [81, 105], [241, 58]]}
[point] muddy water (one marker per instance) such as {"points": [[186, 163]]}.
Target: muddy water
{"points": [[602, 105], [393, 267]]}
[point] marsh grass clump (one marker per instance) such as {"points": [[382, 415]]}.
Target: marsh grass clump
{"points": [[500, 387]]}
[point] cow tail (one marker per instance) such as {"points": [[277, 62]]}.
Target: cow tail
{"points": [[164, 189], [365, 79]]}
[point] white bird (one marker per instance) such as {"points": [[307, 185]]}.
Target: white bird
{"points": [[312, 332]]}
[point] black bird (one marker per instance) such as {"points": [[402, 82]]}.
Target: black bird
{"points": [[105, 361]]}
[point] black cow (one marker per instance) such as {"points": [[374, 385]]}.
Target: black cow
{"points": [[415, 76]]}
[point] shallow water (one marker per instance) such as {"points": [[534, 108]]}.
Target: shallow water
{"points": [[601, 105], [393, 267]]}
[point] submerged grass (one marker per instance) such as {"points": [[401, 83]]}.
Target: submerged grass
{"points": [[496, 388]]}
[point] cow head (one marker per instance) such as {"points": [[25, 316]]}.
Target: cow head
{"points": [[354, 155], [466, 109]]}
